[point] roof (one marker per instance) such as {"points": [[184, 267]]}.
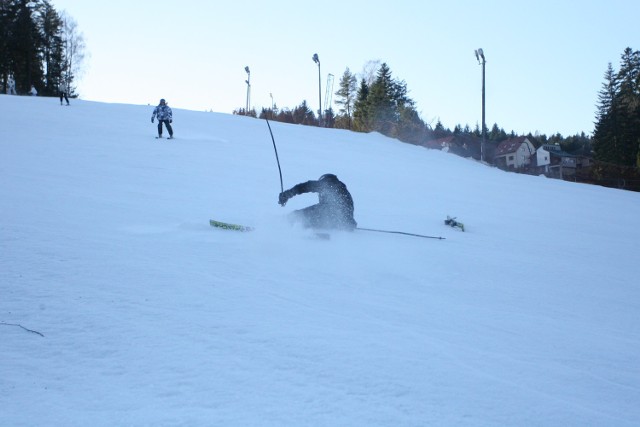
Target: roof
{"points": [[510, 145], [555, 150]]}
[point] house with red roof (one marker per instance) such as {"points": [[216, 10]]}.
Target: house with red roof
{"points": [[514, 153]]}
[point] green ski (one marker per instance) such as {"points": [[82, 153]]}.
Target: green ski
{"points": [[243, 228], [229, 226]]}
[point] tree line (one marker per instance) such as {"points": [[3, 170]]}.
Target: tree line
{"points": [[616, 137], [378, 102], [38, 46], [617, 131]]}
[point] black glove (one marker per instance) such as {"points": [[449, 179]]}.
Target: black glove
{"points": [[284, 197], [151, 119], [170, 120]]}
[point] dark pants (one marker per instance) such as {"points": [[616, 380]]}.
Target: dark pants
{"points": [[64, 95], [322, 216], [167, 124]]}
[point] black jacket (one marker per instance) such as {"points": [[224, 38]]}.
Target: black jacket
{"points": [[335, 201]]}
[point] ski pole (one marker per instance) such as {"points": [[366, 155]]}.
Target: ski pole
{"points": [[400, 232], [277, 159]]}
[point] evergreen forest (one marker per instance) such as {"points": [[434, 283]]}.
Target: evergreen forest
{"points": [[39, 47]]}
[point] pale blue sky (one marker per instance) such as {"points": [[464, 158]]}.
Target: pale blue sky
{"points": [[545, 59]]}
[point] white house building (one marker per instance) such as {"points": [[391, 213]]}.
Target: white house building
{"points": [[550, 159], [514, 153]]}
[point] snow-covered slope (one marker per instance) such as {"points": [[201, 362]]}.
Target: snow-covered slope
{"points": [[150, 317]]}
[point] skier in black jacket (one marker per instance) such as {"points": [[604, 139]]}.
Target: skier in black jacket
{"points": [[335, 209]]}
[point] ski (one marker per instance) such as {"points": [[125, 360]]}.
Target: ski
{"points": [[245, 228], [229, 226]]}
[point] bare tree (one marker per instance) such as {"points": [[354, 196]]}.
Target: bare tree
{"points": [[370, 71], [74, 51]]}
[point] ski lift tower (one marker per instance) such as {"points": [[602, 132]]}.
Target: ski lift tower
{"points": [[328, 96]]}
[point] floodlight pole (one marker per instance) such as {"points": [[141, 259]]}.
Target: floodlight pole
{"points": [[248, 82], [482, 61], [317, 61]]}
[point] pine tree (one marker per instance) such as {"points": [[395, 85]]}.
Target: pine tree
{"points": [[360, 108], [606, 127], [5, 38], [410, 127], [439, 131], [25, 46], [496, 133], [617, 131], [477, 132], [380, 102], [346, 97], [329, 118], [53, 48], [629, 104], [303, 115]]}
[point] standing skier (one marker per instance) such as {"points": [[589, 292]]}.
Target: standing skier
{"points": [[63, 88], [335, 207], [165, 115], [11, 86]]}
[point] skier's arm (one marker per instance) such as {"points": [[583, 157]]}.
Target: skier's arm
{"points": [[304, 187]]}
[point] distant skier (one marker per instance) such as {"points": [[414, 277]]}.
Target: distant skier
{"points": [[165, 115], [33, 91], [11, 86], [335, 207], [63, 89]]}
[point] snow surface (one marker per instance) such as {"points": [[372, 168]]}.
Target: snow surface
{"points": [[150, 317]]}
